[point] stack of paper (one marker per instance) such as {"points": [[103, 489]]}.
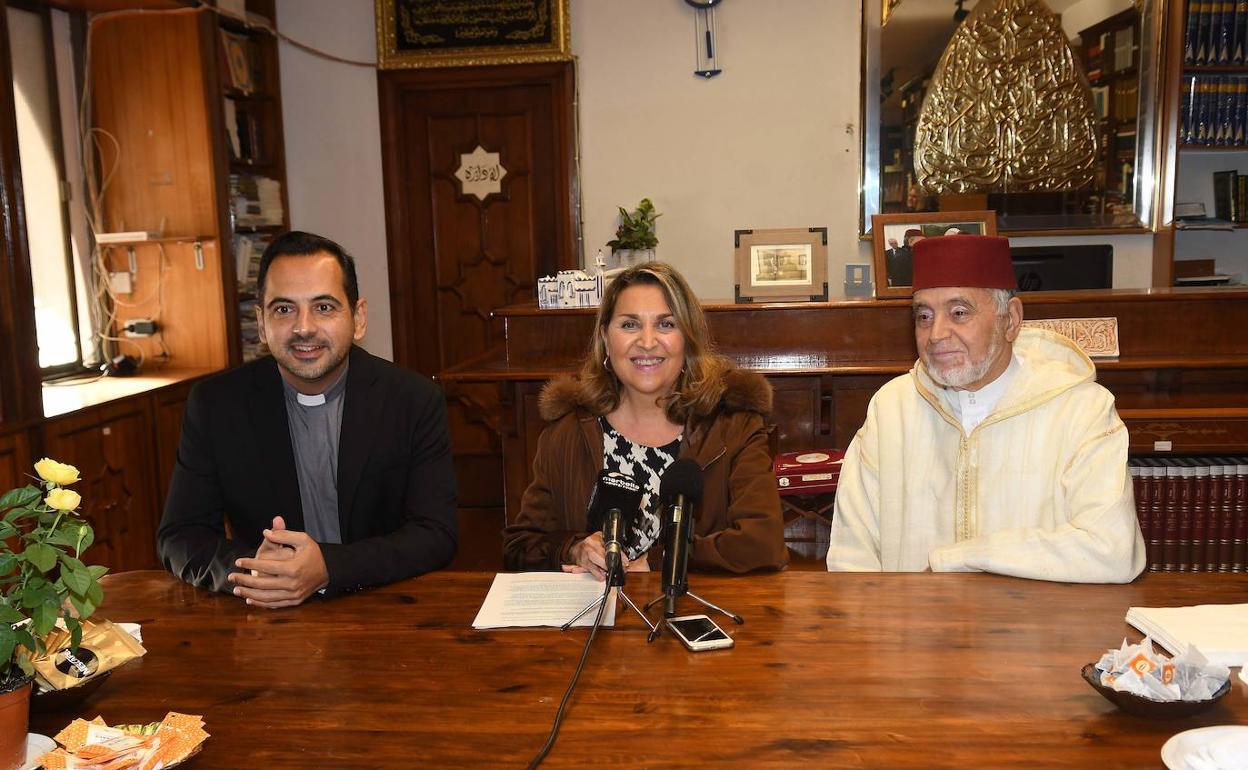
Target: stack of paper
{"points": [[1219, 631], [530, 599]]}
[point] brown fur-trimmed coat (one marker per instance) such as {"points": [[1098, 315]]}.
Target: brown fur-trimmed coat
{"points": [[738, 525]]}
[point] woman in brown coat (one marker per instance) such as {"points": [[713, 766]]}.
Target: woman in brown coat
{"points": [[650, 391]]}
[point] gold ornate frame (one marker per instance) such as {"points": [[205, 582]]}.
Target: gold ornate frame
{"points": [[390, 57], [919, 220]]}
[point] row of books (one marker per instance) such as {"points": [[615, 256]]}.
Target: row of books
{"points": [[1214, 110], [248, 248], [1216, 32], [255, 201], [243, 131], [1230, 196], [1113, 51], [1193, 512]]}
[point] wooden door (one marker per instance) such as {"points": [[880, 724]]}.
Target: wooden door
{"points": [[455, 257]]}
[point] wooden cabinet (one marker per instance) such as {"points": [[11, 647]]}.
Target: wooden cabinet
{"points": [[15, 460], [113, 448]]}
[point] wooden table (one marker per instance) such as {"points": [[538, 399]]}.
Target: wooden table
{"points": [[844, 670]]}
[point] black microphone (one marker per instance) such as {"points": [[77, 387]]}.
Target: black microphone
{"points": [[612, 508], [679, 490]]}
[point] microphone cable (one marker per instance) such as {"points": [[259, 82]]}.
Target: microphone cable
{"points": [[554, 729]]}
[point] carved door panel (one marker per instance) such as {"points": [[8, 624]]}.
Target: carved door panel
{"points": [[112, 447], [455, 256]]}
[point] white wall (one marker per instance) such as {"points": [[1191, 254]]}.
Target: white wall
{"points": [[1085, 13], [771, 142], [333, 143]]}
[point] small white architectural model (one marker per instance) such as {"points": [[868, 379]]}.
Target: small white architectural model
{"points": [[569, 288]]}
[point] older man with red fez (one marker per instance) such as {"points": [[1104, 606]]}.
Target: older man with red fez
{"points": [[997, 452]]}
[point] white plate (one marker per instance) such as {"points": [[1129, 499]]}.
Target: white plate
{"points": [[1176, 752], [36, 746]]}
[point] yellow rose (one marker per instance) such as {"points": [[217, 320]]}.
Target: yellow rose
{"points": [[58, 473], [63, 499]]}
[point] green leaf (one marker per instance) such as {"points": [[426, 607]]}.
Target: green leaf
{"points": [[7, 530], [8, 563], [77, 580], [71, 562], [95, 594], [64, 536], [44, 617], [8, 642], [75, 631], [23, 497], [97, 571], [85, 607], [24, 639], [8, 616], [42, 556]]}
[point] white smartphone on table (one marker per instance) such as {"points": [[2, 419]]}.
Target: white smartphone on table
{"points": [[699, 633]]}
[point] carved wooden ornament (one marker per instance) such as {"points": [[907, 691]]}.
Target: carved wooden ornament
{"points": [[1009, 108]]}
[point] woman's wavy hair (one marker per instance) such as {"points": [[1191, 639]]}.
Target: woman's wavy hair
{"points": [[700, 384]]}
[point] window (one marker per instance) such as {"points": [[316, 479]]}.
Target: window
{"points": [[43, 93]]}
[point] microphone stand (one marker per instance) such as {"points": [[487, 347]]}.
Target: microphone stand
{"points": [[615, 579]]}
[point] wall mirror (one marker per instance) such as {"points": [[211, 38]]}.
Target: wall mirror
{"points": [[964, 135]]}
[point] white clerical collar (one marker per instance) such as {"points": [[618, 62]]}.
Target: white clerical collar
{"points": [[314, 400], [973, 406]]}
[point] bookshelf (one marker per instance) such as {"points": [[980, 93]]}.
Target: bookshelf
{"points": [[256, 185], [1211, 139], [1110, 50], [193, 99]]}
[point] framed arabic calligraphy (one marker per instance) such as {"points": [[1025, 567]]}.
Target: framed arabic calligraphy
{"points": [[456, 33]]}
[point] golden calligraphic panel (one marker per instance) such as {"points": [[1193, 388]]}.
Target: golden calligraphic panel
{"points": [[454, 33], [1009, 108], [1097, 337]]}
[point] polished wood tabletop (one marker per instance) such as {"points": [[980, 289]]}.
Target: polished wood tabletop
{"points": [[829, 670]]}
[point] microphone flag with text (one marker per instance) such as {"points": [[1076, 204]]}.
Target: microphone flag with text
{"points": [[680, 490], [613, 506]]}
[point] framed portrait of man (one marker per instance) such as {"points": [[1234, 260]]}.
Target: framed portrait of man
{"points": [[894, 235]]}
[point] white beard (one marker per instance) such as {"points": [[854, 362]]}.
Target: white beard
{"points": [[971, 371]]}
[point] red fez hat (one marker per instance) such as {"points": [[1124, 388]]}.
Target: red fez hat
{"points": [[980, 261]]}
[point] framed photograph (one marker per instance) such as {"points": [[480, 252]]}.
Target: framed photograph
{"points": [[785, 265], [425, 33], [894, 236]]}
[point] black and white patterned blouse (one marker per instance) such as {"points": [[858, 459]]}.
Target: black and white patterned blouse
{"points": [[646, 464]]}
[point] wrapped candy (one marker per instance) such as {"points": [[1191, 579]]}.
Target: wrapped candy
{"points": [[1137, 669]]}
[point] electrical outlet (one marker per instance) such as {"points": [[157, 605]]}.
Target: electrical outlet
{"points": [[140, 327], [120, 283]]}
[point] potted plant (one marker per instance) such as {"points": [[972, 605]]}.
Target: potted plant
{"points": [[42, 580], [635, 240]]}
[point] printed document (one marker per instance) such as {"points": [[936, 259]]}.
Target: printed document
{"points": [[531, 599]]}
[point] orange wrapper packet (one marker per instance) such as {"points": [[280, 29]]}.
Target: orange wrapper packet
{"points": [[95, 746]]}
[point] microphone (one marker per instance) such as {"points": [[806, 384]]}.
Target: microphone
{"points": [[612, 507], [679, 489]]}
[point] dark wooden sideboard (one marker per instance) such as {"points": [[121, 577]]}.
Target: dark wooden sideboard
{"points": [[1181, 376]]}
